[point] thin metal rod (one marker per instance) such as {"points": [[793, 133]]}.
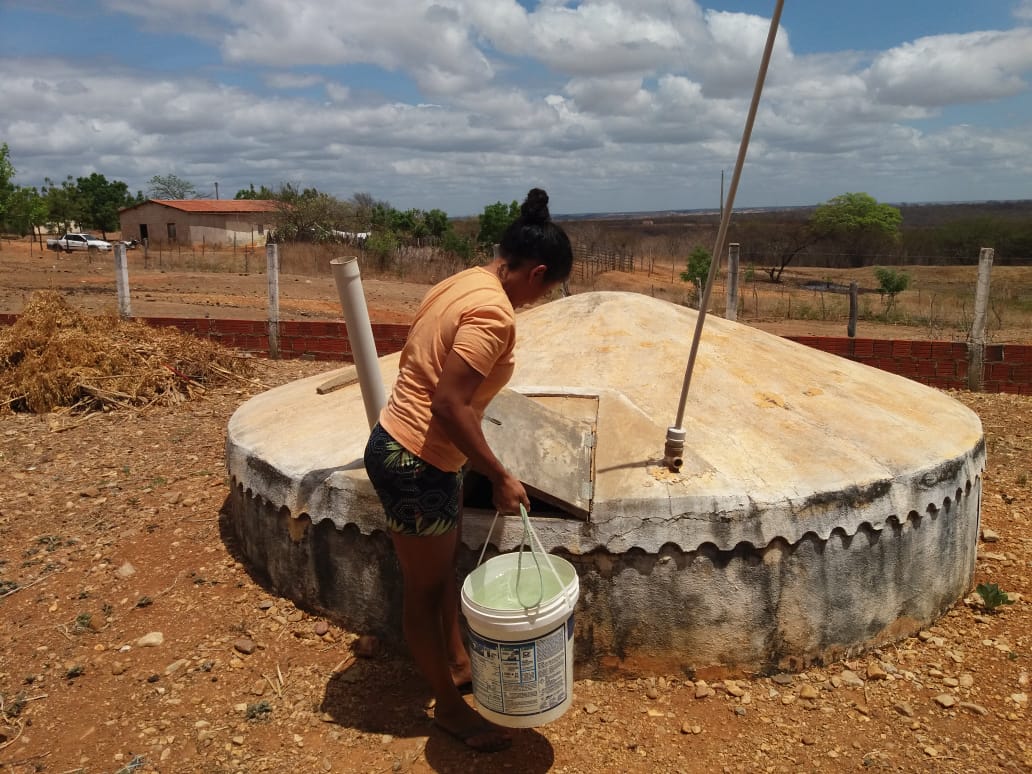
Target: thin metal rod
{"points": [[725, 219]]}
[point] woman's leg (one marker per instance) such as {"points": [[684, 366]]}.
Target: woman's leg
{"points": [[430, 605], [458, 658]]}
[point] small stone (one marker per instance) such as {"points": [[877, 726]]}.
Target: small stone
{"points": [[175, 666], [651, 692], [788, 698], [702, 690], [988, 536], [366, 646], [809, 741], [945, 701], [782, 678], [966, 680], [151, 640], [931, 752], [876, 672], [740, 711], [244, 645], [236, 663], [903, 709], [686, 727], [125, 571], [118, 668], [808, 692], [951, 682], [851, 679], [1021, 699], [237, 740], [321, 628], [153, 678], [733, 688], [924, 636], [266, 604], [977, 709], [590, 708], [258, 687], [173, 497]]}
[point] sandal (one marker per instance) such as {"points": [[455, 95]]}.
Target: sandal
{"points": [[483, 738]]}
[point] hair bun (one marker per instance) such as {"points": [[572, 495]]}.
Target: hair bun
{"points": [[535, 206]]}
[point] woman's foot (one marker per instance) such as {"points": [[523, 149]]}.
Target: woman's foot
{"points": [[472, 730], [462, 678]]}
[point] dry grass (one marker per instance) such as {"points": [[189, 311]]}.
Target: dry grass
{"points": [[55, 357]]}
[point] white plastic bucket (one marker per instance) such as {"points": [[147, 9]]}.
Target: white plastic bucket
{"points": [[521, 657]]}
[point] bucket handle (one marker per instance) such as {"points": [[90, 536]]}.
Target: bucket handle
{"points": [[528, 532]]}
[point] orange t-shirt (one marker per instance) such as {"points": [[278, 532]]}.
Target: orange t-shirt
{"points": [[470, 314]]}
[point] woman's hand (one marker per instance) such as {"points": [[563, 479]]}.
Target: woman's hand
{"points": [[508, 493]]}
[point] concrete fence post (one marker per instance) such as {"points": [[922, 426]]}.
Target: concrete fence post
{"points": [[733, 254], [976, 341], [854, 309], [272, 271], [122, 282]]}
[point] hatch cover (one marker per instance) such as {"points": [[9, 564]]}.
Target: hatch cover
{"points": [[547, 441]]}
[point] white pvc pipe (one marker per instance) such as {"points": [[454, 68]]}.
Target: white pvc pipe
{"points": [[360, 335]]}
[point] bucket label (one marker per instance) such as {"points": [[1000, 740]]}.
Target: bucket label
{"points": [[520, 678]]}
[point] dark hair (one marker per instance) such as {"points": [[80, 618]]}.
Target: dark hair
{"points": [[534, 238]]}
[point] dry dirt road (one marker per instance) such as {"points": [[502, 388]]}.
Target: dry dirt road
{"points": [[133, 640]]}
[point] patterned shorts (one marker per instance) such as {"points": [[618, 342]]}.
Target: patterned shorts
{"points": [[418, 498]]}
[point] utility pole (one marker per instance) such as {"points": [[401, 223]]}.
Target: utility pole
{"points": [[216, 189]]}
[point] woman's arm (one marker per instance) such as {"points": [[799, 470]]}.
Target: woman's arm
{"points": [[452, 405]]}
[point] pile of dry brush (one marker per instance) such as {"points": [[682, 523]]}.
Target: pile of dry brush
{"points": [[57, 358]]}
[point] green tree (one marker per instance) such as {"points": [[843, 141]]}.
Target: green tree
{"points": [[62, 203], [437, 223], [170, 187], [858, 221], [100, 200], [494, 220], [7, 172], [890, 284], [697, 269], [251, 193], [461, 246], [26, 210], [308, 215]]}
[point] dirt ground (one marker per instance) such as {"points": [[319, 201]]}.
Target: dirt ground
{"points": [[133, 640]]}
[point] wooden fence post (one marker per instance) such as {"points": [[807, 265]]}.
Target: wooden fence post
{"points": [[731, 309], [272, 263], [976, 342], [122, 282]]}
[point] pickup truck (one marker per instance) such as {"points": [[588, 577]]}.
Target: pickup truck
{"points": [[71, 242]]}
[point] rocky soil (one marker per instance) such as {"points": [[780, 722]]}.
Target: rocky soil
{"points": [[133, 639]]}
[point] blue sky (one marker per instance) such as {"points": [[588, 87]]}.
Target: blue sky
{"points": [[610, 105]]}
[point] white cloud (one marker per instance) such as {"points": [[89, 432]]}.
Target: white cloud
{"points": [[603, 101], [950, 69], [292, 80], [1023, 10]]}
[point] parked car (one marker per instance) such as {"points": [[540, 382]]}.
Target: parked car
{"points": [[70, 242]]}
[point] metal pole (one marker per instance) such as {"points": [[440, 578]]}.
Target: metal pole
{"points": [[674, 448]]}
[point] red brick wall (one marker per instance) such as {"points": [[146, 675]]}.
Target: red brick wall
{"points": [[1007, 367]]}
